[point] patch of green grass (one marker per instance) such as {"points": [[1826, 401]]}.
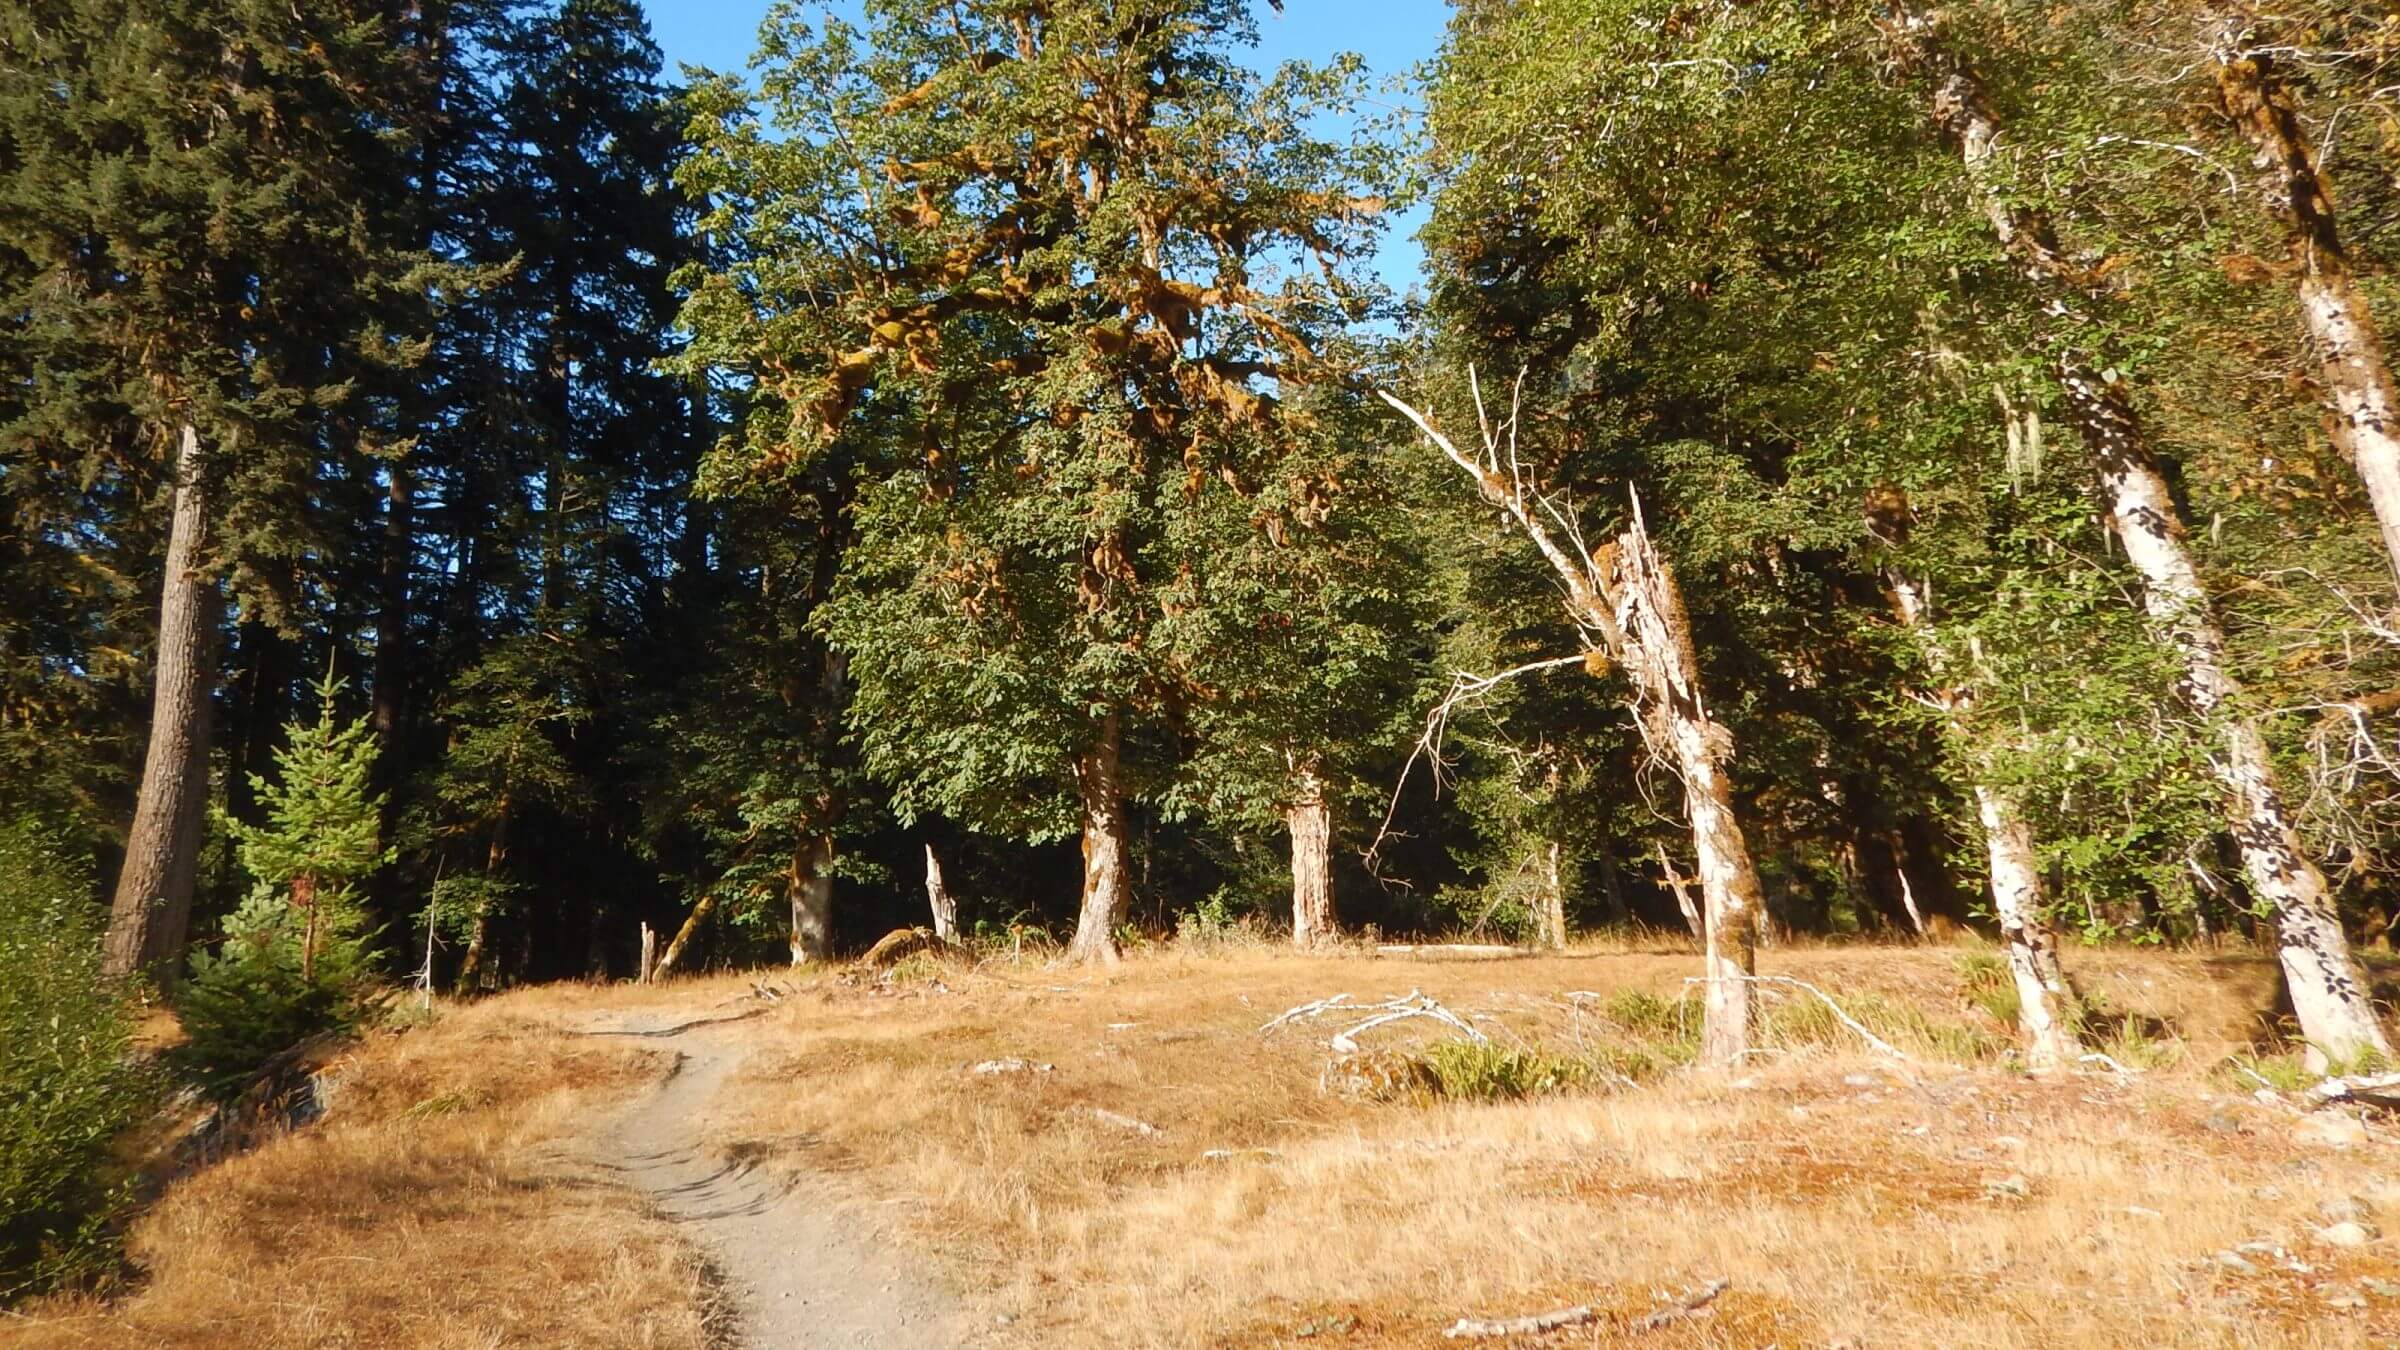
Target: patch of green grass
{"points": [[1800, 1019], [2283, 1073], [2133, 1042], [1986, 982], [1479, 1071]]}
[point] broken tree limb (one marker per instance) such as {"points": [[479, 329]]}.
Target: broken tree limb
{"points": [[1470, 1328], [1412, 1004], [1689, 1305], [2381, 1089]]}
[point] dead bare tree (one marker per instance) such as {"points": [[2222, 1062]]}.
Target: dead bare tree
{"points": [[1626, 601]]}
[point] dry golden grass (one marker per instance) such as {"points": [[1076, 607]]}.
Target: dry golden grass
{"points": [[441, 1203], [1846, 1199], [1839, 1211]]}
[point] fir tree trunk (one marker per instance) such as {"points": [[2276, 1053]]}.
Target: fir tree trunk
{"points": [[150, 917], [939, 899], [810, 881], [1107, 886], [1612, 892], [1658, 638], [2354, 373], [1310, 822], [391, 619], [2045, 1000], [2328, 991]]}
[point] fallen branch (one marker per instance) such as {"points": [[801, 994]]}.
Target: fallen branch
{"points": [[1471, 1328], [1121, 1121], [1011, 1065], [1411, 1004], [2381, 1089], [1687, 1306], [2095, 1057], [1450, 948]]}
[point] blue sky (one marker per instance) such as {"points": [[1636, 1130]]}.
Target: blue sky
{"points": [[1391, 36]]}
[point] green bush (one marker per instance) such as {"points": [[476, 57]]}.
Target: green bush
{"points": [[68, 1083], [1479, 1071], [295, 961]]}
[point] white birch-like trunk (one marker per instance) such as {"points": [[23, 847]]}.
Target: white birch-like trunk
{"points": [[2328, 991], [2045, 999], [1554, 901], [1309, 820], [810, 882], [1107, 883], [1649, 611], [1629, 597], [2362, 401], [938, 898]]}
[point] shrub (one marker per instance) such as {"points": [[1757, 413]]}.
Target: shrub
{"points": [[294, 963], [68, 1083], [1479, 1071]]}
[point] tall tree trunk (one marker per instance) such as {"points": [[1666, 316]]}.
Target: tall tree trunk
{"points": [[1554, 901], [2045, 999], [2362, 400], [1107, 888], [1612, 892], [391, 618], [150, 917], [1310, 822], [1649, 611], [810, 881], [939, 899], [2328, 990], [1629, 597]]}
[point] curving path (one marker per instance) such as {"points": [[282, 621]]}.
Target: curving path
{"points": [[796, 1269]]}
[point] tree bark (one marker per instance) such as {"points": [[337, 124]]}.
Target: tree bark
{"points": [[2362, 402], [2328, 990], [150, 917], [1612, 892], [1554, 901], [673, 955], [810, 881], [2045, 999], [391, 618], [939, 899], [1310, 822], [1649, 611], [1106, 886], [1629, 597]]}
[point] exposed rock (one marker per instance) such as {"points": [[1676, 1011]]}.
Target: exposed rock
{"points": [[2331, 1129], [2346, 1235], [996, 1066]]}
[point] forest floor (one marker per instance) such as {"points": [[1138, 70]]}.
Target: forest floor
{"points": [[1159, 1171]]}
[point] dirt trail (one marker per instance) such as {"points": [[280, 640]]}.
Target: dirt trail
{"points": [[796, 1268]]}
